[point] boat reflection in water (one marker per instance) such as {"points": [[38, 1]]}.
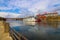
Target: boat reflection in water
{"points": [[39, 31], [29, 23]]}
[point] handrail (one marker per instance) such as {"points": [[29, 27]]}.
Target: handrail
{"points": [[15, 35]]}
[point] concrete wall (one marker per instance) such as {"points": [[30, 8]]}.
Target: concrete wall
{"points": [[4, 31]]}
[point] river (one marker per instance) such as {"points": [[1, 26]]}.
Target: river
{"points": [[38, 31]]}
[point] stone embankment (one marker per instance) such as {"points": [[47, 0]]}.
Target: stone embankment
{"points": [[4, 31]]}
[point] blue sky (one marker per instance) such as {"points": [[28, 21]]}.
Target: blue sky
{"points": [[22, 8]]}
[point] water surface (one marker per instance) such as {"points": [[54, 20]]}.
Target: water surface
{"points": [[39, 31]]}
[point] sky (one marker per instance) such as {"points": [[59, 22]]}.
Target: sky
{"points": [[22, 8]]}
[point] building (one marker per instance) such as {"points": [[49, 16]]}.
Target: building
{"points": [[53, 14], [2, 19], [40, 18]]}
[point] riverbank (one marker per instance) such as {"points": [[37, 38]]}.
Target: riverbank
{"points": [[4, 32]]}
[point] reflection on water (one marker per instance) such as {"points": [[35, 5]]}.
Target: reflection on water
{"points": [[29, 23], [39, 31]]}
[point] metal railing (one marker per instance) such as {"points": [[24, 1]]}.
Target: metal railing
{"points": [[16, 36]]}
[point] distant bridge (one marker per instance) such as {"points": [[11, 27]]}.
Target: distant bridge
{"points": [[14, 18]]}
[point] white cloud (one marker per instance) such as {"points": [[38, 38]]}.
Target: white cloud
{"points": [[12, 15], [31, 5], [5, 8], [23, 3], [53, 5], [9, 15], [41, 5], [3, 14]]}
